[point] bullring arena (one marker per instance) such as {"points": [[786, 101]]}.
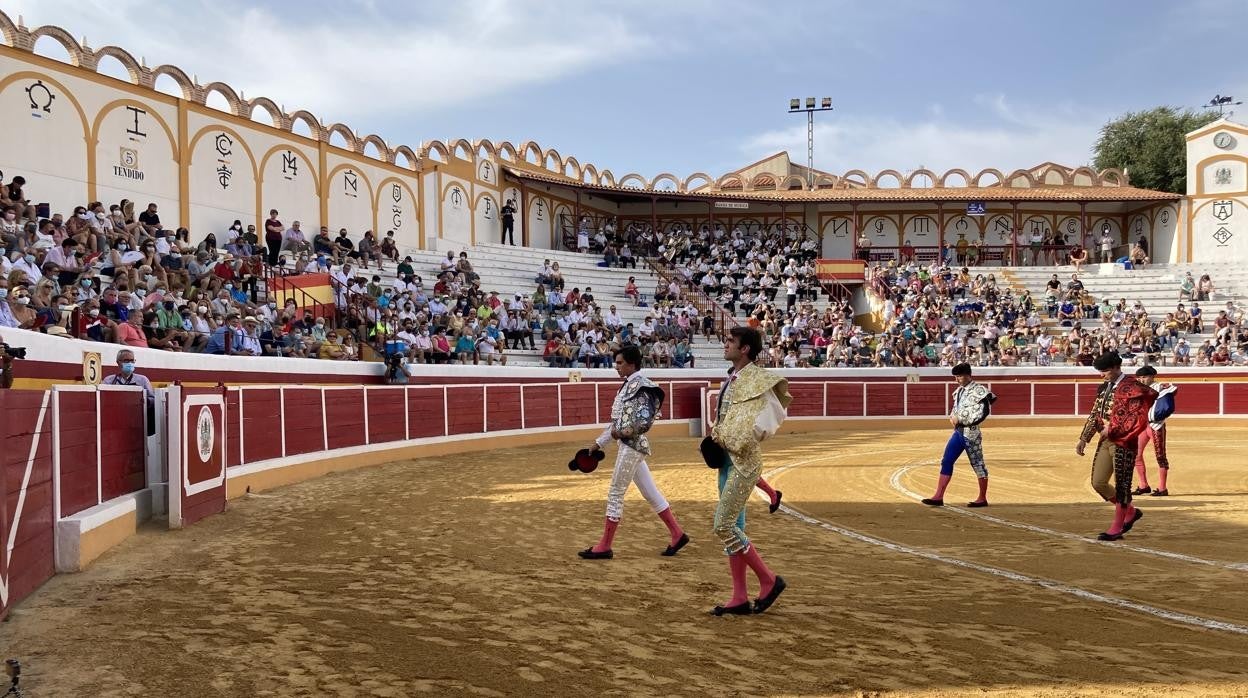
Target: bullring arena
{"points": [[456, 575], [282, 524]]}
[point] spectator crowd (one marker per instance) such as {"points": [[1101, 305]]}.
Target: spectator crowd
{"points": [[110, 274]]}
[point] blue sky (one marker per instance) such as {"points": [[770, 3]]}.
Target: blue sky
{"points": [[684, 86]]}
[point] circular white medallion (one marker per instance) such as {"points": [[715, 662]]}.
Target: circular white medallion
{"points": [[205, 433], [1224, 140]]}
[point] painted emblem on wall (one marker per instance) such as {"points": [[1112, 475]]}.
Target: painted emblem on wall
{"points": [[921, 226], [879, 228], [1165, 216], [205, 433], [225, 148], [396, 193], [489, 208], [134, 130], [1222, 175], [487, 172], [1225, 141], [1223, 236], [457, 197], [290, 165], [1223, 210], [40, 97], [351, 184], [128, 166]]}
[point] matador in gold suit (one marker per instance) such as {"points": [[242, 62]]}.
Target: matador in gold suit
{"points": [[753, 403]]}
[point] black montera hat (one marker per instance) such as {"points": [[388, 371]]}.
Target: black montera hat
{"points": [[1106, 361], [586, 461], [714, 454], [962, 369]]}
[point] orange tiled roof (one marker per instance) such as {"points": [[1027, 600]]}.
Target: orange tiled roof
{"points": [[912, 195]]}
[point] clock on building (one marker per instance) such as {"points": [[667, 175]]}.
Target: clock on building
{"points": [[1224, 140]]}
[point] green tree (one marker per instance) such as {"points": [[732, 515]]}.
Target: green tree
{"points": [[1151, 146]]}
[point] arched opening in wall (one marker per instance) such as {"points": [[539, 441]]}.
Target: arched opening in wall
{"points": [[888, 179], [165, 83], [49, 47], [372, 151], [300, 126], [987, 179], [216, 100], [113, 68], [401, 160], [261, 115], [337, 139]]}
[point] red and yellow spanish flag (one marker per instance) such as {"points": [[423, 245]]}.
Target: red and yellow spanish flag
{"points": [[842, 270], [309, 292]]}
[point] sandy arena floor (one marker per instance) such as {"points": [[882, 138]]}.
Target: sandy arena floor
{"points": [[458, 576]]}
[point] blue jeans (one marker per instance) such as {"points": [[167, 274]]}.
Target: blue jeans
{"points": [[723, 480]]}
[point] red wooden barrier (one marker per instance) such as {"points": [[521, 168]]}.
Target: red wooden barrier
{"points": [[385, 415], [344, 417], [27, 498], [303, 420]]}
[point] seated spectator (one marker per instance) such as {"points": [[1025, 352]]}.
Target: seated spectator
{"points": [[631, 291], [1078, 257], [1204, 288]]}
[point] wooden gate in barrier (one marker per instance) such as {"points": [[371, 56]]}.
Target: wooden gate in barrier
{"points": [[197, 448]]}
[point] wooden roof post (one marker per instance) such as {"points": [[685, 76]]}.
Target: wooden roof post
{"points": [[1014, 233]]}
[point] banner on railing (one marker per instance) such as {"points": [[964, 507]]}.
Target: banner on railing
{"points": [[842, 270], [308, 291]]}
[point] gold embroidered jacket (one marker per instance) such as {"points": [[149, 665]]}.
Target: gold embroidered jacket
{"points": [[750, 398]]}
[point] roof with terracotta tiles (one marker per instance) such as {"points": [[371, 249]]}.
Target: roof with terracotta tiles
{"points": [[867, 194]]}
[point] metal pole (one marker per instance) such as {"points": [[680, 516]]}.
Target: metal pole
{"points": [[810, 149]]}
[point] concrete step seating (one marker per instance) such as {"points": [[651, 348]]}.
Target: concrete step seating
{"points": [[1157, 286], [511, 270]]}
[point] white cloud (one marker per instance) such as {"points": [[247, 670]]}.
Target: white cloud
{"points": [[347, 64], [1012, 138]]}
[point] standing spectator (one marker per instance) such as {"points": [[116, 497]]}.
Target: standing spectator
{"points": [[127, 376], [1107, 245], [273, 234], [509, 217], [864, 247]]}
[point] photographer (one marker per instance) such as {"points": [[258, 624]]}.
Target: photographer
{"points": [[7, 354]]}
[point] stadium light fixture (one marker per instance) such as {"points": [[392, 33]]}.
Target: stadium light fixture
{"points": [[795, 106]]}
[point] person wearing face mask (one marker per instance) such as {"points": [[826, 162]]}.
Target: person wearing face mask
{"points": [[127, 376], [19, 305], [7, 317], [208, 246], [170, 321], [8, 223], [236, 229], [28, 265]]}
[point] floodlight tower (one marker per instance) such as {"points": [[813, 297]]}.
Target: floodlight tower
{"points": [[795, 107]]}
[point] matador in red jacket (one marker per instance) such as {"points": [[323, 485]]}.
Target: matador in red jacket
{"points": [[1119, 415]]}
